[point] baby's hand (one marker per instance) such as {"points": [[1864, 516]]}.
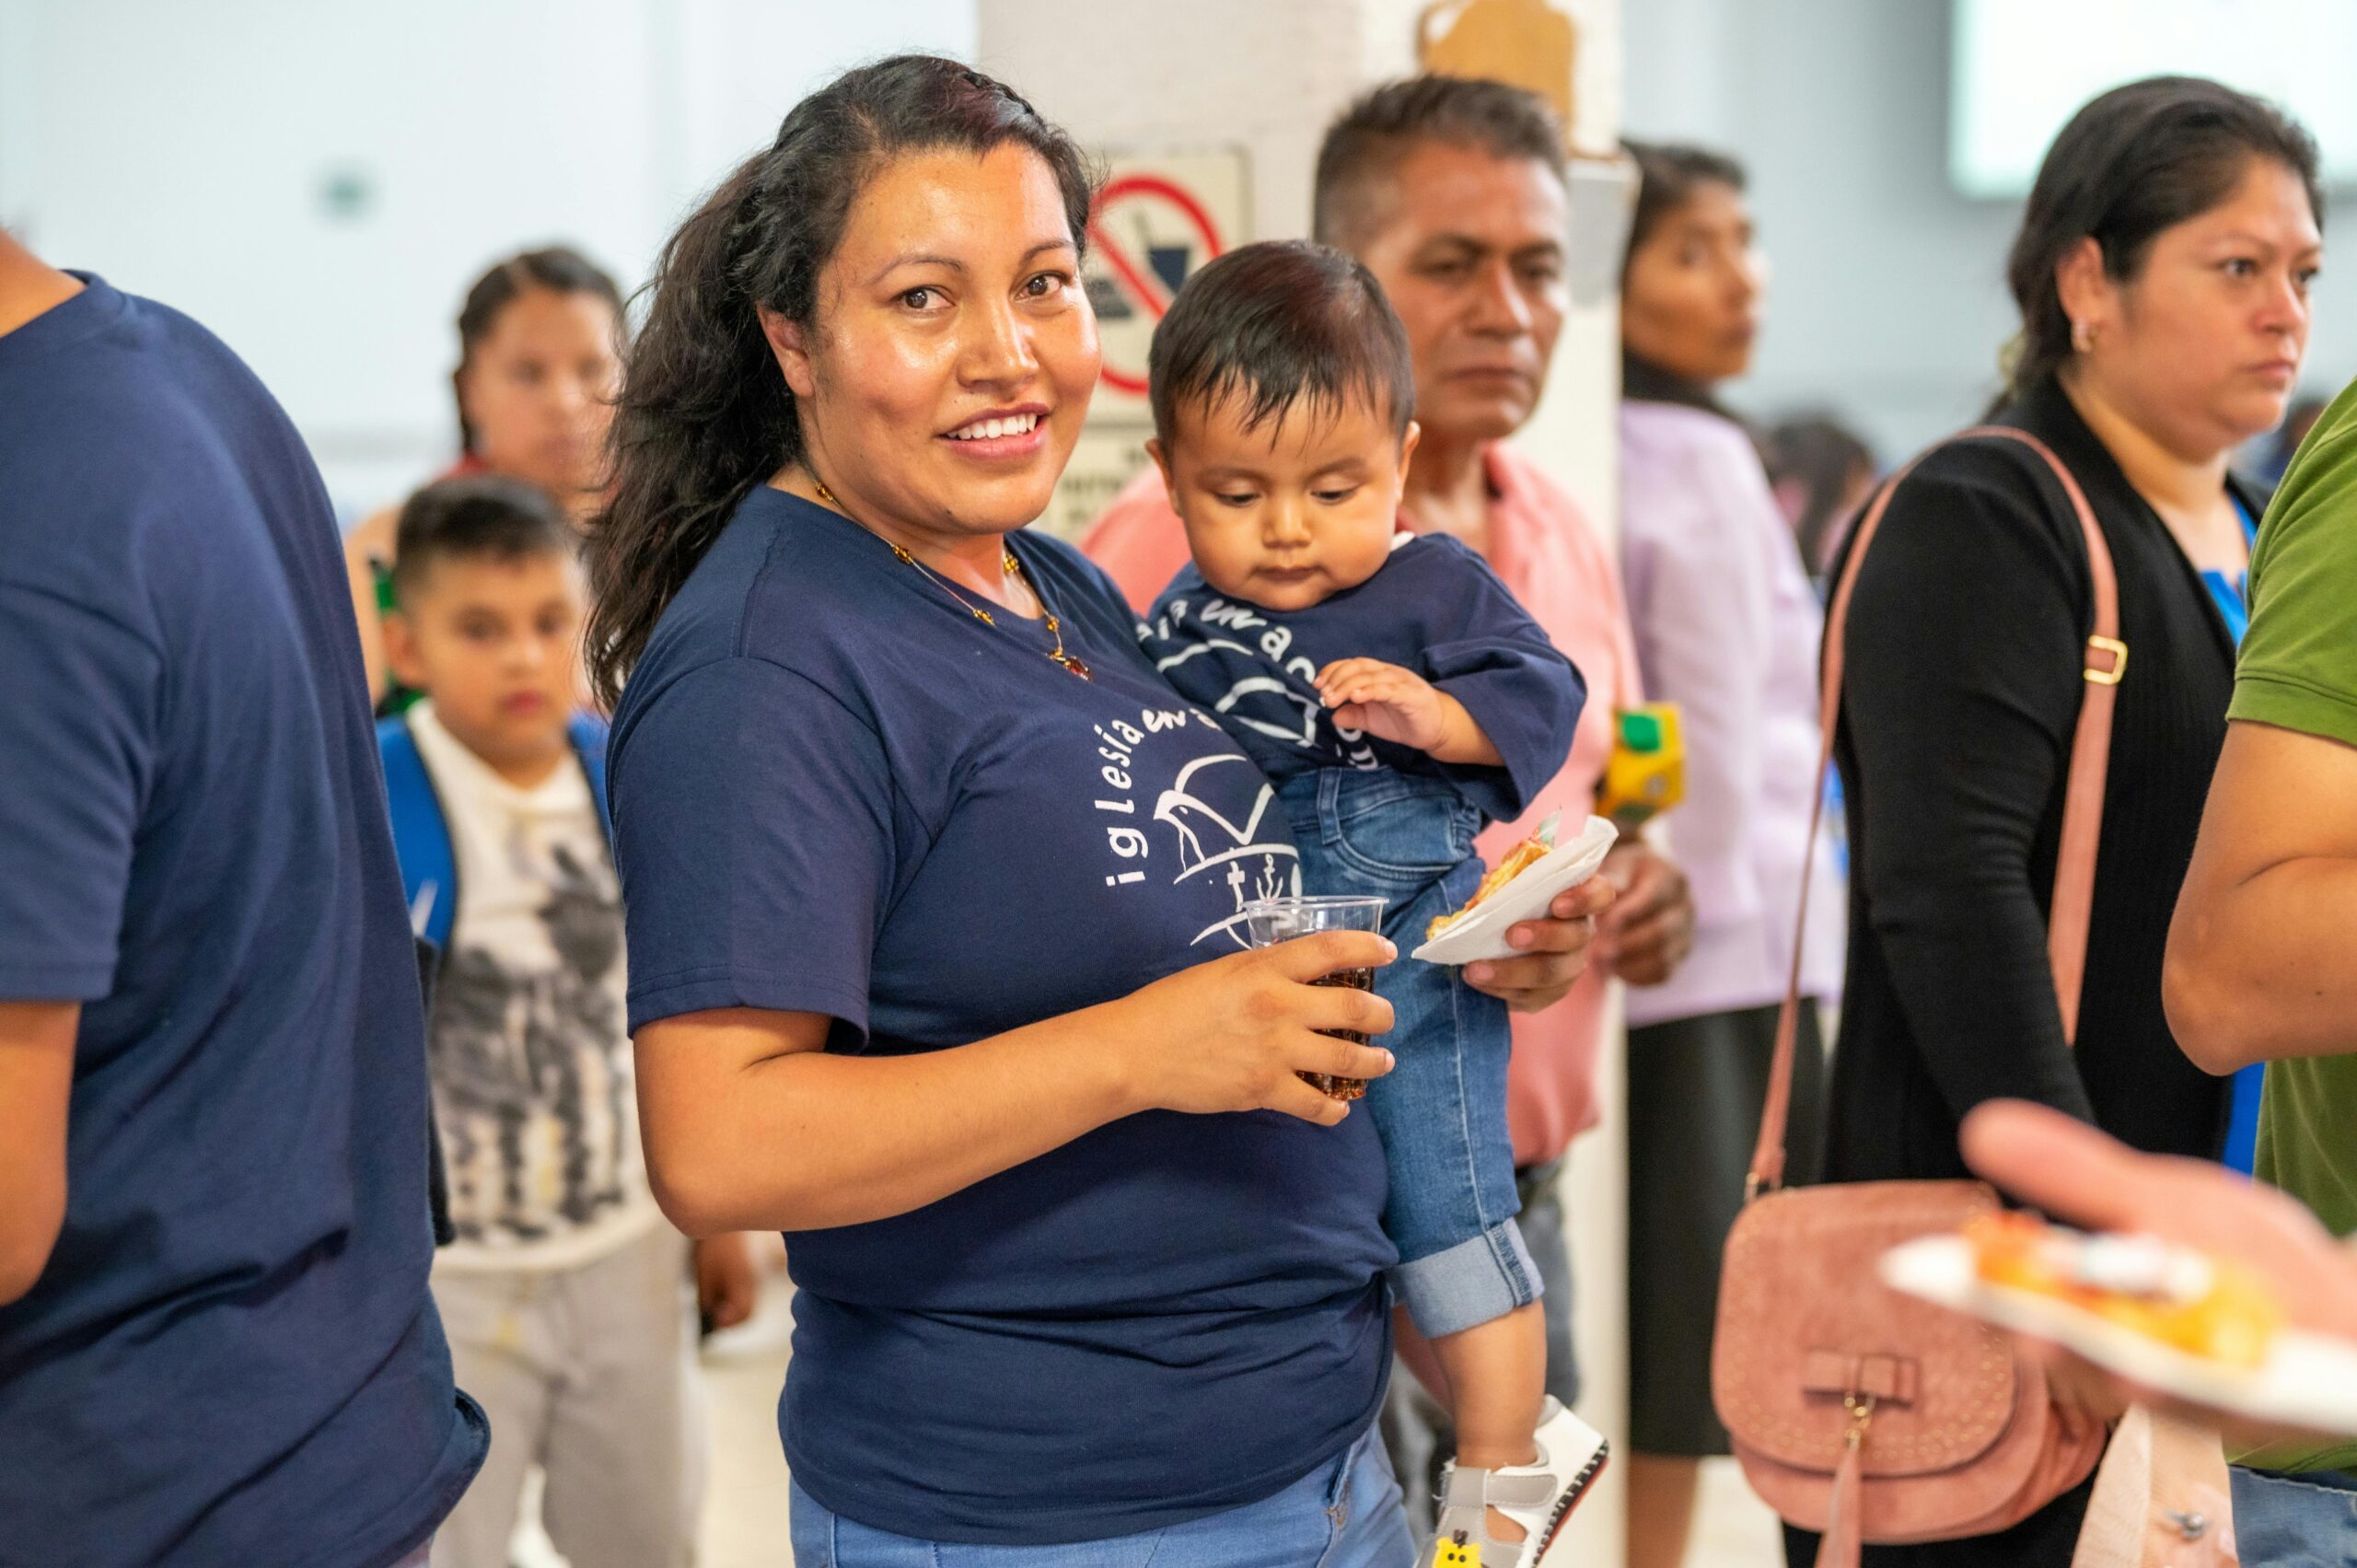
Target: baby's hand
{"points": [[1385, 701]]}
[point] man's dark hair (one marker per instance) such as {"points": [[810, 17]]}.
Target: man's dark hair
{"points": [[1362, 148], [479, 516], [1275, 326]]}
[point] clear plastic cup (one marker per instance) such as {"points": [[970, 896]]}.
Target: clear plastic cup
{"points": [[1271, 920]]}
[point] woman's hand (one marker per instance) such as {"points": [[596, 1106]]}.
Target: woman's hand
{"points": [[727, 1285], [1554, 951], [1651, 929], [751, 1123], [1233, 1034]]}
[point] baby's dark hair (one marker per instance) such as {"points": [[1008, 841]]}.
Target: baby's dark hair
{"points": [[1277, 325], [478, 517]]}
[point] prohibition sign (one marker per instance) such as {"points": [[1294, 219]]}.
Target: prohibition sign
{"points": [[1170, 237]]}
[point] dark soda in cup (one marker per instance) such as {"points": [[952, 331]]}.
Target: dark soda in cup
{"points": [[1272, 921]]}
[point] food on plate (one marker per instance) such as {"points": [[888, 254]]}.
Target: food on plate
{"points": [[1519, 859], [2210, 1307]]}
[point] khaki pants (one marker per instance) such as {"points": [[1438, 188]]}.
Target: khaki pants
{"points": [[588, 1372]]}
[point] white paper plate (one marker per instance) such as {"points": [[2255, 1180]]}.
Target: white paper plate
{"points": [[2308, 1380], [1482, 933]]}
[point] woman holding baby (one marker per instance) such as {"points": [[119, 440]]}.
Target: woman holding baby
{"points": [[934, 888]]}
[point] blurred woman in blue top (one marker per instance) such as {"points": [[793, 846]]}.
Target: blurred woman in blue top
{"points": [[933, 891]]}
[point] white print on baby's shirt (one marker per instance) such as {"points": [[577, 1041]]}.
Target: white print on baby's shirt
{"points": [[1281, 700], [1219, 816]]}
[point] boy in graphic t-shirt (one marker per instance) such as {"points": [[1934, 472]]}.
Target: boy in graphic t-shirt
{"points": [[1400, 698], [563, 1290]]}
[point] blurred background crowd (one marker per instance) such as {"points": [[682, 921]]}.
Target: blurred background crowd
{"points": [[426, 229]]}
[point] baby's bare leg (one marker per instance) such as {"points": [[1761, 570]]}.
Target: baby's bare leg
{"points": [[1497, 1386]]}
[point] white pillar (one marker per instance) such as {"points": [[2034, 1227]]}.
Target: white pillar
{"points": [[1269, 76], [1576, 437]]}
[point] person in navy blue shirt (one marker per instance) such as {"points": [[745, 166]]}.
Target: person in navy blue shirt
{"points": [[934, 893], [217, 1345], [1401, 701]]}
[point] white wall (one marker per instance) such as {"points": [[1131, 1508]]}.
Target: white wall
{"points": [[1888, 302], [184, 151], [1269, 75]]}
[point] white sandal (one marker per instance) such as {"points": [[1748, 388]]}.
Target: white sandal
{"points": [[1538, 1497]]}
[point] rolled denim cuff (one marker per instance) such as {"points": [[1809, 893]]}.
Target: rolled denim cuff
{"points": [[1482, 1277]]}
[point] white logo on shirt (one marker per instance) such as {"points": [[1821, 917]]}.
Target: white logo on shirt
{"points": [[1212, 845], [1300, 726], [1281, 700], [1247, 852]]}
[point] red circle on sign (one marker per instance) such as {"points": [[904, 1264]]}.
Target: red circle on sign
{"points": [[1125, 268]]}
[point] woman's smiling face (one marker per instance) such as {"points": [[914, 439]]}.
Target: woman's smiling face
{"points": [[944, 378]]}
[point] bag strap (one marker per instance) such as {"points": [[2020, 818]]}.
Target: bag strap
{"points": [[420, 834], [2162, 1496], [2074, 861], [588, 734]]}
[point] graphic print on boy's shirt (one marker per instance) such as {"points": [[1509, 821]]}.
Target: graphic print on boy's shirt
{"points": [[531, 1069], [1437, 609]]}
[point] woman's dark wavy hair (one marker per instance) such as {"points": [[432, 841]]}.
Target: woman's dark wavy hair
{"points": [[2134, 161], [705, 413]]}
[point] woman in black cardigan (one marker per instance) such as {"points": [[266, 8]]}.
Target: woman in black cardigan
{"points": [[2162, 270]]}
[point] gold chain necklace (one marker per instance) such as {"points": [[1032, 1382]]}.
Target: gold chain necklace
{"points": [[1008, 563]]}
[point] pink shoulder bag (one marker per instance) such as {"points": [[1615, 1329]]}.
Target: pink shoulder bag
{"points": [[1857, 1412]]}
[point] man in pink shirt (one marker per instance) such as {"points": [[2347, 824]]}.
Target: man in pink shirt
{"points": [[1453, 193]]}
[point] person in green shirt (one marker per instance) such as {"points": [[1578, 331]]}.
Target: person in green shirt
{"points": [[2263, 957]]}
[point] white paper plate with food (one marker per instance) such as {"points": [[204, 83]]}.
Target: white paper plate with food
{"points": [[2162, 1317], [1519, 888]]}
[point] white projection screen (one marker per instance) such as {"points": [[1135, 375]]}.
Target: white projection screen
{"points": [[2022, 68]]}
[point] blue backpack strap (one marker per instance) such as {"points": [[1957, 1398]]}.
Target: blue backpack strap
{"points": [[589, 744], [421, 833]]}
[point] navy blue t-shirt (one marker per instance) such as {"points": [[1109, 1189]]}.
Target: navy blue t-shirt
{"points": [[1434, 608], [836, 792], [231, 1358]]}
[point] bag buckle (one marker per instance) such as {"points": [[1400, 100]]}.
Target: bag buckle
{"points": [[1862, 1416], [2108, 674]]}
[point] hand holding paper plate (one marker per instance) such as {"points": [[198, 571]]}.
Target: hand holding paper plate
{"points": [[1520, 888], [2163, 1317]]}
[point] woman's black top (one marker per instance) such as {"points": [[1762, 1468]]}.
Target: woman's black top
{"points": [[1962, 694]]}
